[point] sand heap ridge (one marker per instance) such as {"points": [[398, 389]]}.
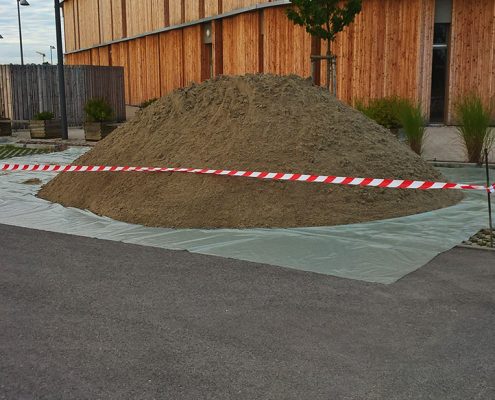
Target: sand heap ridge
{"points": [[255, 122]]}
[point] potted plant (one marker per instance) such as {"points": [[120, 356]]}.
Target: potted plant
{"points": [[45, 126], [5, 127], [98, 116]]}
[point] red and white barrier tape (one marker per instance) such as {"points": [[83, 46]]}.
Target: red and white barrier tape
{"points": [[340, 180]]}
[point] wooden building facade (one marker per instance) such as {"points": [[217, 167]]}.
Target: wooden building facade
{"points": [[431, 51]]}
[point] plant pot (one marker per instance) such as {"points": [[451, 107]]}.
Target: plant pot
{"points": [[94, 131], [5, 127], [45, 129]]}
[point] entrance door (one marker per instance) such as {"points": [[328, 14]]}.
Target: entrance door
{"points": [[439, 76]]}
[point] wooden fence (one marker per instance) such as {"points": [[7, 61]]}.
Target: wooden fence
{"points": [[27, 90]]}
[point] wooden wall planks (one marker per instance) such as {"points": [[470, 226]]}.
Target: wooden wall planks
{"points": [[383, 53], [119, 23], [287, 48], [175, 10], [106, 20], [69, 27], [387, 51], [90, 23], [191, 47], [5, 92], [241, 40], [171, 61], [119, 56], [27, 90], [472, 52]]}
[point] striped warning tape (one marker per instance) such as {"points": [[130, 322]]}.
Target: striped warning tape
{"points": [[340, 180]]}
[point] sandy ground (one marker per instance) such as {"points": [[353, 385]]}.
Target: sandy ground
{"points": [[249, 123]]}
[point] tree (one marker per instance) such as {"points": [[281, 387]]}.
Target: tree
{"points": [[323, 19]]}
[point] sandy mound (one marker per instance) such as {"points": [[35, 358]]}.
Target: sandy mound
{"points": [[257, 122]]}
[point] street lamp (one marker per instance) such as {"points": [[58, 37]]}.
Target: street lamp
{"points": [[51, 54], [60, 71], [22, 3]]}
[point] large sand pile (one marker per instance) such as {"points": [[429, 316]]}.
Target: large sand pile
{"points": [[257, 122]]}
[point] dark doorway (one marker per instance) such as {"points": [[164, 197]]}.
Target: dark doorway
{"points": [[439, 74]]}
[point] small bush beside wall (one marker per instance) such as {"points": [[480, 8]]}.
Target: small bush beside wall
{"points": [[384, 111], [395, 113]]}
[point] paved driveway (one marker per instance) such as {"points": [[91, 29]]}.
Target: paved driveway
{"points": [[83, 318]]}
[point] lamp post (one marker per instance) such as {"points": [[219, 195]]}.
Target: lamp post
{"points": [[51, 54], [21, 3], [60, 71]]}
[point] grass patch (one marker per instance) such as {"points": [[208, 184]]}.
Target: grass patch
{"points": [[413, 124], [474, 127]]}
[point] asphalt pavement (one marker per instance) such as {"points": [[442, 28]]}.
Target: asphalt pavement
{"points": [[84, 318]]}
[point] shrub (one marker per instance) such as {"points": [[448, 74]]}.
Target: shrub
{"points": [[384, 111], [413, 122], [474, 130], [44, 116], [98, 110], [146, 103]]}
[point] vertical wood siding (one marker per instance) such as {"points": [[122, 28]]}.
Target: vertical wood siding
{"points": [[472, 52], [191, 45], [27, 90], [106, 20], [287, 48], [171, 61], [89, 23], [69, 27], [386, 51], [241, 39]]}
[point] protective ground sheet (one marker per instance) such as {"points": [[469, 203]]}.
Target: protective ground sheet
{"points": [[381, 251]]}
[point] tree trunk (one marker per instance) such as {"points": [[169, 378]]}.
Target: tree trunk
{"points": [[334, 75], [331, 70], [329, 65]]}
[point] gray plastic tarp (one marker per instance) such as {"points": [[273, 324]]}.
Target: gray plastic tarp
{"points": [[381, 251]]}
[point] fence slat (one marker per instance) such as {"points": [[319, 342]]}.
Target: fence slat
{"points": [[27, 90]]}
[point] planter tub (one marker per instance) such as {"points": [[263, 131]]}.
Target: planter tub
{"points": [[50, 129], [94, 131], [5, 127]]}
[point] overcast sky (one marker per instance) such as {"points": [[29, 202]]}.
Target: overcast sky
{"points": [[38, 31]]}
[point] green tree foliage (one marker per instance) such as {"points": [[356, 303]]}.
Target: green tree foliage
{"points": [[324, 19]]}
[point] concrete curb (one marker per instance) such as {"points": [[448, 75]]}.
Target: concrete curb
{"points": [[474, 247], [457, 164]]}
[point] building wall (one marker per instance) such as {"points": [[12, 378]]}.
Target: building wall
{"points": [[386, 51], [472, 47], [90, 23]]}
